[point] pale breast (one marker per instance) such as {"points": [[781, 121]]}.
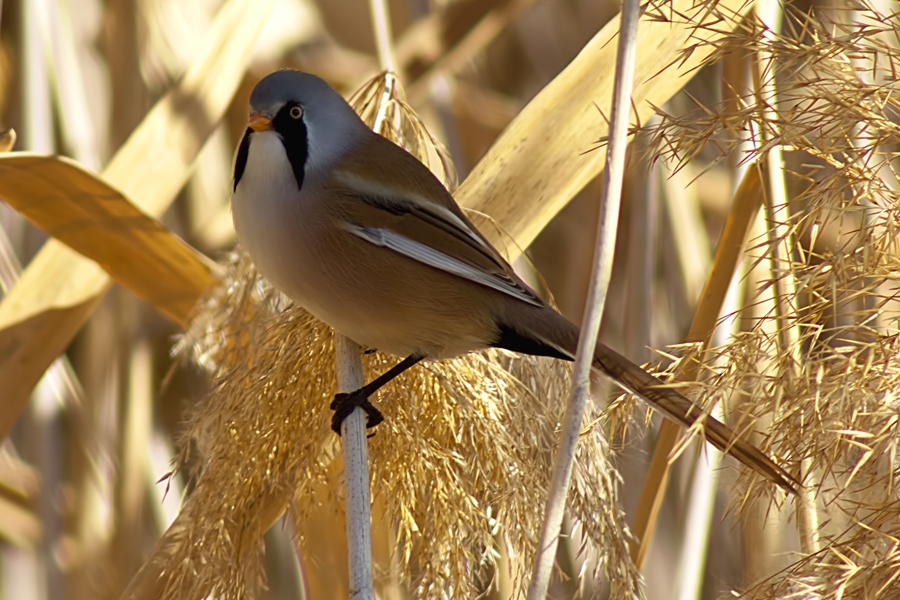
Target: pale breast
{"points": [[267, 218]]}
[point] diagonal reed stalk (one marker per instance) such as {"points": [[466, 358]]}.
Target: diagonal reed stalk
{"points": [[548, 539], [745, 205], [75, 207]]}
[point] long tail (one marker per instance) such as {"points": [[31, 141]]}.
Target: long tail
{"points": [[547, 333]]}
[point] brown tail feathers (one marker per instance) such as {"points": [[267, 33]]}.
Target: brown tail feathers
{"points": [[553, 335]]}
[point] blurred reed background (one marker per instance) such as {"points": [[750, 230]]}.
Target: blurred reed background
{"points": [[81, 497]]}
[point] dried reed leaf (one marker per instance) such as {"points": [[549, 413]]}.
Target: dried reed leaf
{"points": [[544, 156], [82, 211], [60, 289], [18, 480]]}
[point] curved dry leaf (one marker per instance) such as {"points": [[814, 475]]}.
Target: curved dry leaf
{"points": [[81, 210], [60, 289], [547, 154]]}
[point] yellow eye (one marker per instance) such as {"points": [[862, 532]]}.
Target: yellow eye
{"points": [[296, 112]]}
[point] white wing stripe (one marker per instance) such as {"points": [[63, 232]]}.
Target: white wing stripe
{"points": [[434, 258]]}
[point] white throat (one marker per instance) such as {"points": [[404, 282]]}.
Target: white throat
{"points": [[263, 206], [267, 170]]}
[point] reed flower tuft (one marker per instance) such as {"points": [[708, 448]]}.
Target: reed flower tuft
{"points": [[460, 465]]}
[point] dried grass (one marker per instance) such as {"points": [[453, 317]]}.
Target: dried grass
{"points": [[459, 468], [831, 397], [464, 454]]}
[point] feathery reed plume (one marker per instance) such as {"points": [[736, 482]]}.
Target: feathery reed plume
{"points": [[464, 453], [832, 398]]}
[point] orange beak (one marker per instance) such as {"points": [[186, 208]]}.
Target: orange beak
{"points": [[260, 122]]}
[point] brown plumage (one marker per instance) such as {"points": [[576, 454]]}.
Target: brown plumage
{"points": [[368, 240]]}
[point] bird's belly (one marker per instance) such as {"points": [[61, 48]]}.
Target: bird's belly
{"points": [[384, 323], [345, 284]]}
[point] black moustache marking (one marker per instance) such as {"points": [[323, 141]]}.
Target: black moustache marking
{"points": [[294, 137], [240, 162]]}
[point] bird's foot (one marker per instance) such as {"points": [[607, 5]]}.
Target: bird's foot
{"points": [[345, 403]]}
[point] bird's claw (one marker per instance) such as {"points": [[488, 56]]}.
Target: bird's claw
{"points": [[345, 403]]}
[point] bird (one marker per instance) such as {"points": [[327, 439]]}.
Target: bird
{"points": [[361, 234]]}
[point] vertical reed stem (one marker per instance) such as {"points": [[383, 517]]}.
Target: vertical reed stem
{"points": [[777, 225], [350, 378], [603, 259], [356, 472]]}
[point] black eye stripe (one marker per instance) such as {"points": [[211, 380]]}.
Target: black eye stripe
{"points": [[240, 161], [294, 137]]}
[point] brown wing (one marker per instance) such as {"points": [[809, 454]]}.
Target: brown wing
{"points": [[409, 211]]}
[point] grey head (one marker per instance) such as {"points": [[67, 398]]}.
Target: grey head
{"points": [[315, 123]]}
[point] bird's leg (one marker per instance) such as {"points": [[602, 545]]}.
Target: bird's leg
{"points": [[346, 403]]}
